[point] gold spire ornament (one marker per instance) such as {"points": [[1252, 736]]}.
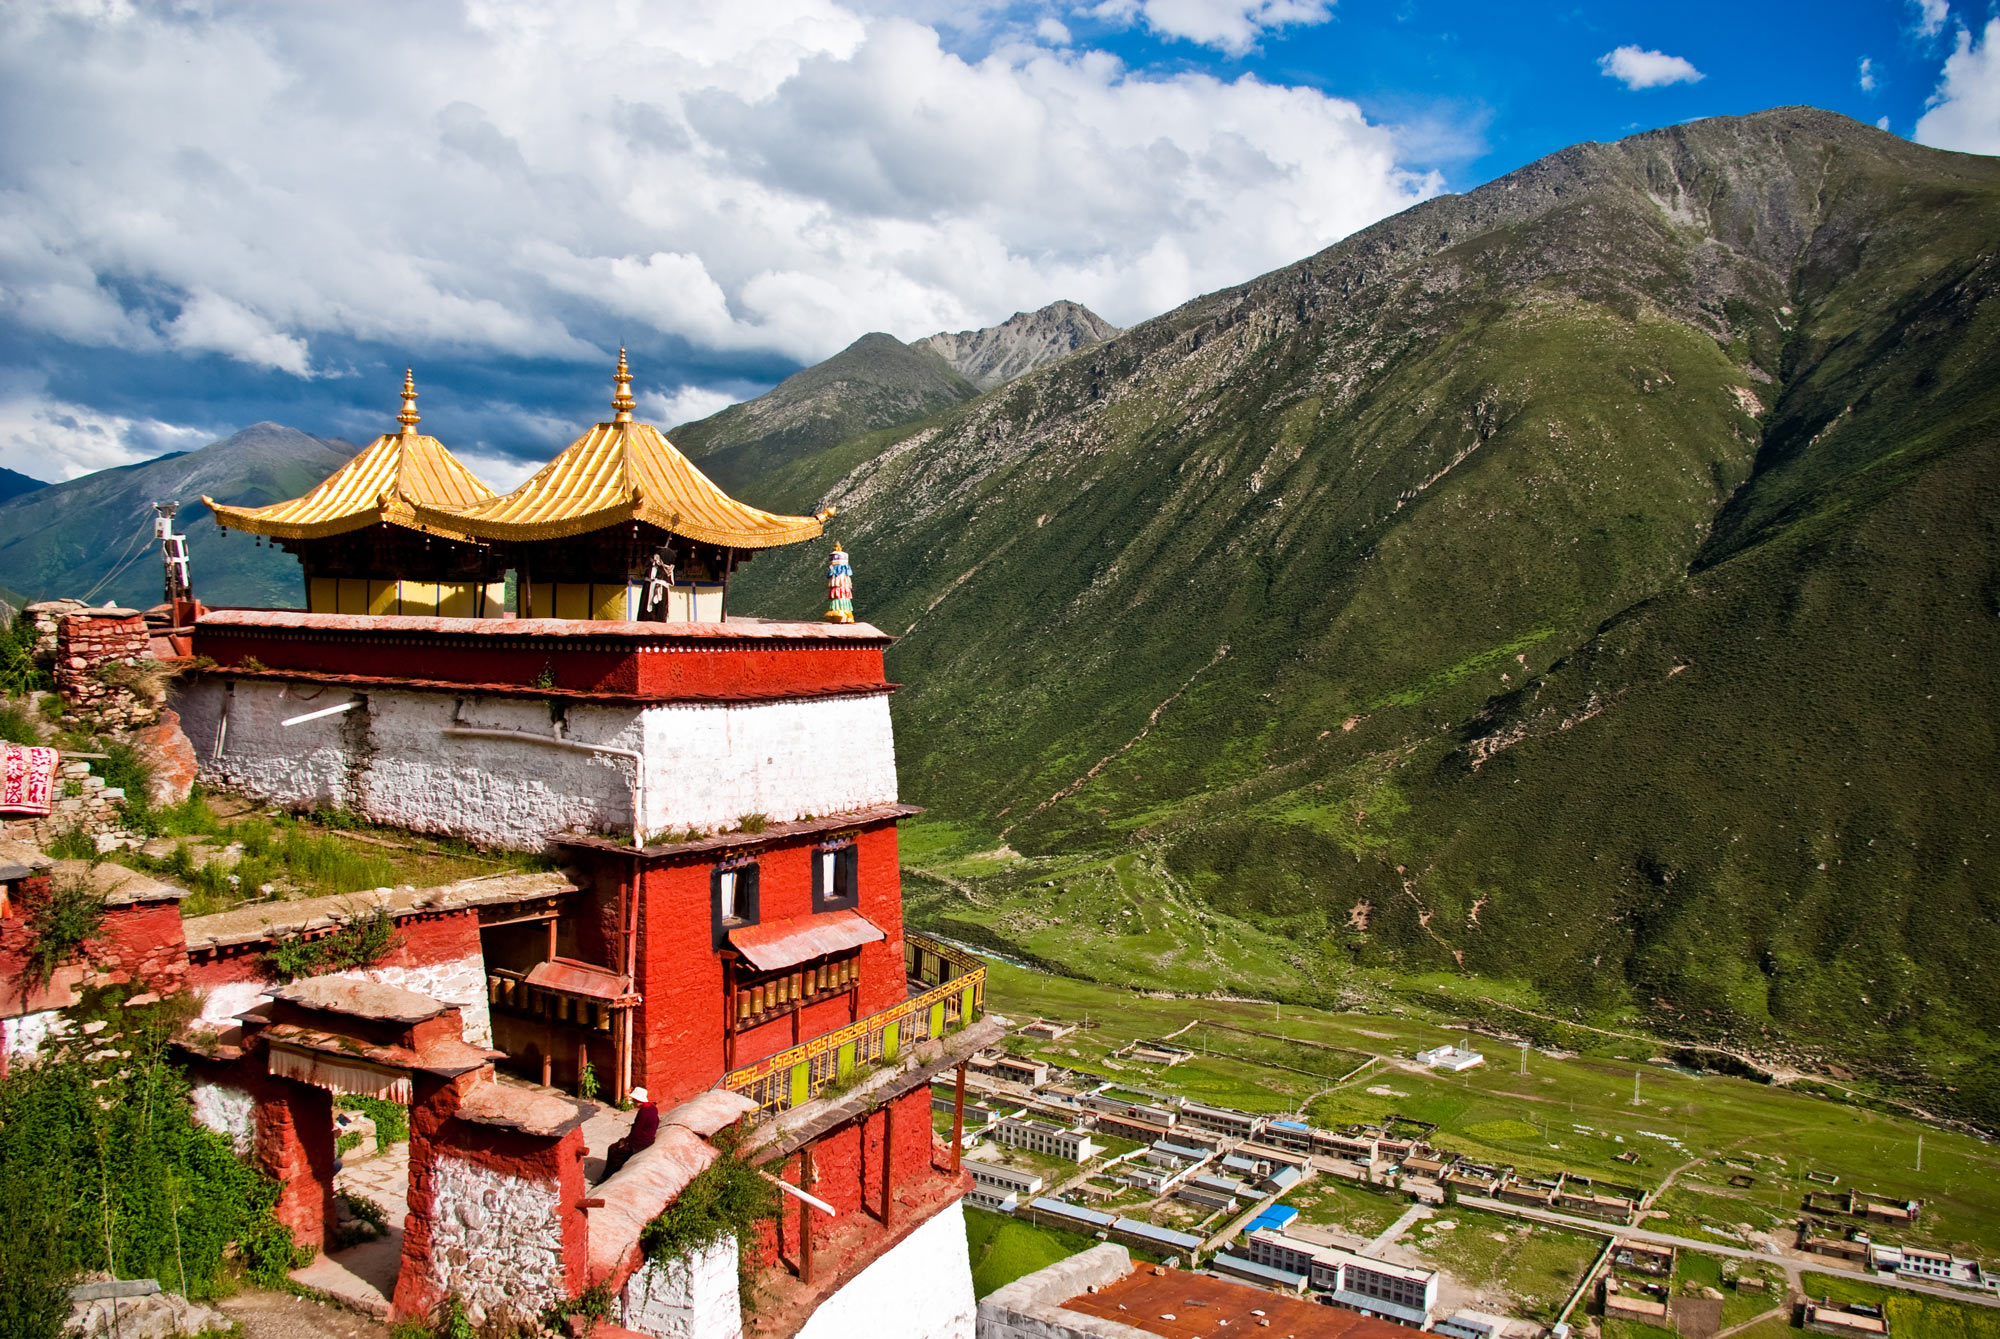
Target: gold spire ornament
{"points": [[621, 403], [408, 418]]}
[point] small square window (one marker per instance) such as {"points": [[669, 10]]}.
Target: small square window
{"points": [[836, 878], [732, 898]]}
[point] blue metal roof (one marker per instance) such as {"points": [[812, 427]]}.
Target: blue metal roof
{"points": [[1276, 1216], [1363, 1302], [1064, 1209], [1236, 1264], [1291, 1125], [1165, 1236]]}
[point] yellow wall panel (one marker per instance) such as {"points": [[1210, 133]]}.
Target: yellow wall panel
{"points": [[496, 600], [608, 602], [418, 597], [572, 601], [455, 599], [353, 596], [382, 597], [323, 595]]}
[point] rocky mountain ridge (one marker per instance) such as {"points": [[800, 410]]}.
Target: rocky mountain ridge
{"points": [[1515, 587], [1020, 344]]}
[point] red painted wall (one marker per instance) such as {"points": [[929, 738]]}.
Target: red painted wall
{"points": [[423, 939], [662, 666], [139, 942], [434, 1133], [678, 1033]]}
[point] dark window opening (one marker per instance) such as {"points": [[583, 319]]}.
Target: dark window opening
{"points": [[732, 898], [836, 878]]}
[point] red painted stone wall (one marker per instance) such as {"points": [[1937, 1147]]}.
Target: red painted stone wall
{"points": [[435, 1133], [294, 1141], [666, 667], [847, 1173], [423, 939], [678, 1033], [139, 942]]}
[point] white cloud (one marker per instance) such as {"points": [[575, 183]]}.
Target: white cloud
{"points": [[51, 439], [1866, 75], [1052, 30], [1882, 123], [1931, 15], [1965, 110], [1636, 68], [1227, 25], [267, 181], [211, 323], [685, 405], [503, 474]]}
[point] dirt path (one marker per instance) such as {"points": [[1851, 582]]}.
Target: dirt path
{"points": [[1758, 1319], [272, 1315]]}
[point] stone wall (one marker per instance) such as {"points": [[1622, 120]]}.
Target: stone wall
{"points": [[692, 1299], [920, 1289], [496, 1239], [92, 646], [1031, 1307], [390, 759], [226, 1109], [82, 801]]}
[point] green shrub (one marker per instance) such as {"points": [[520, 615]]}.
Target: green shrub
{"points": [[59, 923], [17, 726], [102, 1167], [392, 1119], [728, 1198], [359, 943], [20, 673]]}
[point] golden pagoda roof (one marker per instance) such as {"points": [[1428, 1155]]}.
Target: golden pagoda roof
{"points": [[397, 474], [618, 472]]}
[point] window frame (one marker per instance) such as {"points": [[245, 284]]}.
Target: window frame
{"points": [[747, 909], [843, 893]]}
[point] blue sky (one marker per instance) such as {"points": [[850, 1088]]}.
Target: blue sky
{"points": [[228, 212]]}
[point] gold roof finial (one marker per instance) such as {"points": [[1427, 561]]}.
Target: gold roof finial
{"points": [[622, 401], [408, 418]]}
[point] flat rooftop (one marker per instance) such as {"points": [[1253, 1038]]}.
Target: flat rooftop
{"points": [[1178, 1305]]}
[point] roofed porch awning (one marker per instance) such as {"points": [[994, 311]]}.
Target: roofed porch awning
{"points": [[777, 945]]}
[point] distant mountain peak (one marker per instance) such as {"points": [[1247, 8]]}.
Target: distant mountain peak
{"points": [[1020, 344]]}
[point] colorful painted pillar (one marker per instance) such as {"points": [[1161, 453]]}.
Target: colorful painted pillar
{"points": [[839, 588]]}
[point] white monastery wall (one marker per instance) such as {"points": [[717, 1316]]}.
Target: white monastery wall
{"points": [[226, 1110], [461, 982], [22, 1037], [496, 1241], [223, 1004], [922, 1289], [707, 765], [693, 1299]]}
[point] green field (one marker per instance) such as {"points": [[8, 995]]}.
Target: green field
{"points": [[1538, 1267], [1004, 1249], [1482, 1112], [1332, 1202], [1911, 1315]]}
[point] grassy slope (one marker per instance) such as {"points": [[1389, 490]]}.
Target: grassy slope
{"points": [[1642, 464], [875, 382]]}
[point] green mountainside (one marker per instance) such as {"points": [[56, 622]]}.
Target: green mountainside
{"points": [[13, 483], [1586, 585], [92, 538], [876, 382]]}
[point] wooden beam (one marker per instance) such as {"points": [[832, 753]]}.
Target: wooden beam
{"points": [[805, 1216], [888, 1158], [958, 1123]]}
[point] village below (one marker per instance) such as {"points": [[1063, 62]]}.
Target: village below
{"points": [[504, 931]]}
